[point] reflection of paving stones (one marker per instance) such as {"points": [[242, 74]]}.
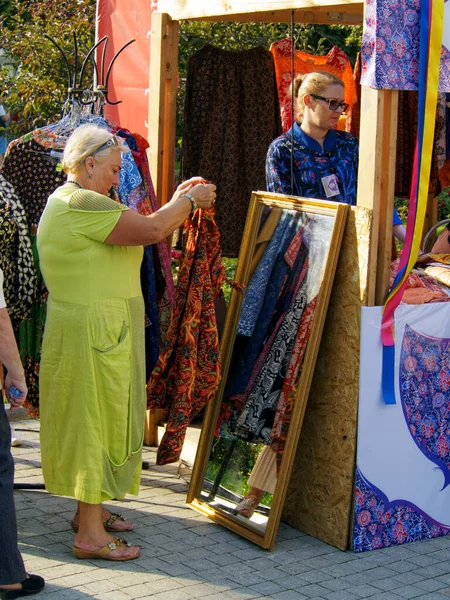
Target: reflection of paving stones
{"points": [[186, 556]]}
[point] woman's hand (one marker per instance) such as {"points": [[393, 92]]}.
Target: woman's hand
{"points": [[184, 187], [204, 194], [18, 381]]}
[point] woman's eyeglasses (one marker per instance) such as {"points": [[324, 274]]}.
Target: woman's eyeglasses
{"points": [[111, 142], [333, 104]]}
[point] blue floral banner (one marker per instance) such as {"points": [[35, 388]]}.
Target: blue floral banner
{"points": [[390, 45], [402, 491]]}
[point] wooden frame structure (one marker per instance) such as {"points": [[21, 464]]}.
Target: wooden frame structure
{"points": [[378, 107], [367, 242]]}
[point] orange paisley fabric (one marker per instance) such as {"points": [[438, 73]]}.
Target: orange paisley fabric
{"points": [[187, 373], [335, 62]]}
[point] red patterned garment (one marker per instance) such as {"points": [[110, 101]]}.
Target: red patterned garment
{"points": [[336, 62], [187, 373]]}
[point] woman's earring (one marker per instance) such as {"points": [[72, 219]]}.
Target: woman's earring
{"points": [[89, 175]]}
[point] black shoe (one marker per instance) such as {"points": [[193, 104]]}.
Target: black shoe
{"points": [[32, 585]]}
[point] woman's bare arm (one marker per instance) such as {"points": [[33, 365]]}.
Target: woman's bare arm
{"points": [[133, 229]]}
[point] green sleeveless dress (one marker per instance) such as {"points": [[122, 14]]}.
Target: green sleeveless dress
{"points": [[92, 373]]}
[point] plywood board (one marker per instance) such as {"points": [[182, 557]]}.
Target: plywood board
{"points": [[320, 490]]}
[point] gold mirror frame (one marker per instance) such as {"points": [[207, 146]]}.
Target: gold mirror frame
{"points": [[258, 201]]}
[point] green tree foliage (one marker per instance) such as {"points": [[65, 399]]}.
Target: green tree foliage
{"points": [[37, 88]]}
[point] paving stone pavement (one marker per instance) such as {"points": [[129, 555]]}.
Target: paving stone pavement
{"points": [[186, 556]]}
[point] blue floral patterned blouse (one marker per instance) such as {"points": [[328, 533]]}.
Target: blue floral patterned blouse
{"points": [[339, 157]]}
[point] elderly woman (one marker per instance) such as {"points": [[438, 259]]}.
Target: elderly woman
{"points": [[92, 378]]}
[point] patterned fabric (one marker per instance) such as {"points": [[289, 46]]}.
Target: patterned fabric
{"points": [[187, 374], [390, 46], [440, 131], [130, 178], [340, 157], [247, 350], [447, 125], [425, 390], [354, 117], [293, 370], [32, 169], [256, 289], [34, 174], [257, 417], [406, 141], [165, 289], [335, 62], [378, 524], [16, 257], [231, 115]]}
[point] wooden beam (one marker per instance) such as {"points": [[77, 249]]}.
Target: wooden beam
{"points": [[319, 17], [162, 103], [376, 179], [251, 10]]}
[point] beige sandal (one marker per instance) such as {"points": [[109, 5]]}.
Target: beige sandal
{"points": [[247, 506], [105, 552], [108, 525]]}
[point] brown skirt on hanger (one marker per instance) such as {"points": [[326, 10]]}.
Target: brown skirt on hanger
{"points": [[231, 116]]}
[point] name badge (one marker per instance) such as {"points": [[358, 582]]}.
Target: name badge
{"points": [[330, 185]]}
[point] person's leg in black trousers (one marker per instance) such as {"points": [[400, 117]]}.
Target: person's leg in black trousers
{"points": [[12, 569]]}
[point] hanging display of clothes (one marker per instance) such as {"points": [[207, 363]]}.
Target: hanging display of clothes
{"points": [[336, 62], [187, 374], [269, 351], [32, 167], [165, 288], [231, 115], [16, 254], [354, 117], [32, 170], [406, 143]]}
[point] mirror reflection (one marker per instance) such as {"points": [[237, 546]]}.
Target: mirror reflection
{"points": [[284, 272]]}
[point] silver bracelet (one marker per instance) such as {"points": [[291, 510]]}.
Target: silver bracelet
{"points": [[192, 201]]}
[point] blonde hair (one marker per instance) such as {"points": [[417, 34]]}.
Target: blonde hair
{"points": [[83, 142], [312, 83]]}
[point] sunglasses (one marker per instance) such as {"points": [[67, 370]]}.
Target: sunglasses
{"points": [[333, 104], [111, 142]]}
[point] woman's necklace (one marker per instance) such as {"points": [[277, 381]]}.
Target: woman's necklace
{"points": [[75, 182]]}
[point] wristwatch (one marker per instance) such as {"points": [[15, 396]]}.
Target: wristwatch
{"points": [[192, 201]]}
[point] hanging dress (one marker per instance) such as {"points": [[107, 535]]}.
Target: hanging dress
{"points": [[231, 115], [187, 374], [335, 62], [92, 379]]}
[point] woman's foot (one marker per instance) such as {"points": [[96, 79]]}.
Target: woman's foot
{"points": [[247, 505], [118, 549], [111, 522], [31, 585]]}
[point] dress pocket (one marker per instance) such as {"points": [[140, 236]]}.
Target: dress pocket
{"points": [[122, 337]]}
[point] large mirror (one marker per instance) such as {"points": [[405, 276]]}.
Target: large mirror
{"points": [[269, 347]]}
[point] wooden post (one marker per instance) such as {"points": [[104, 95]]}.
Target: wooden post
{"points": [[162, 103], [376, 180], [161, 135]]}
